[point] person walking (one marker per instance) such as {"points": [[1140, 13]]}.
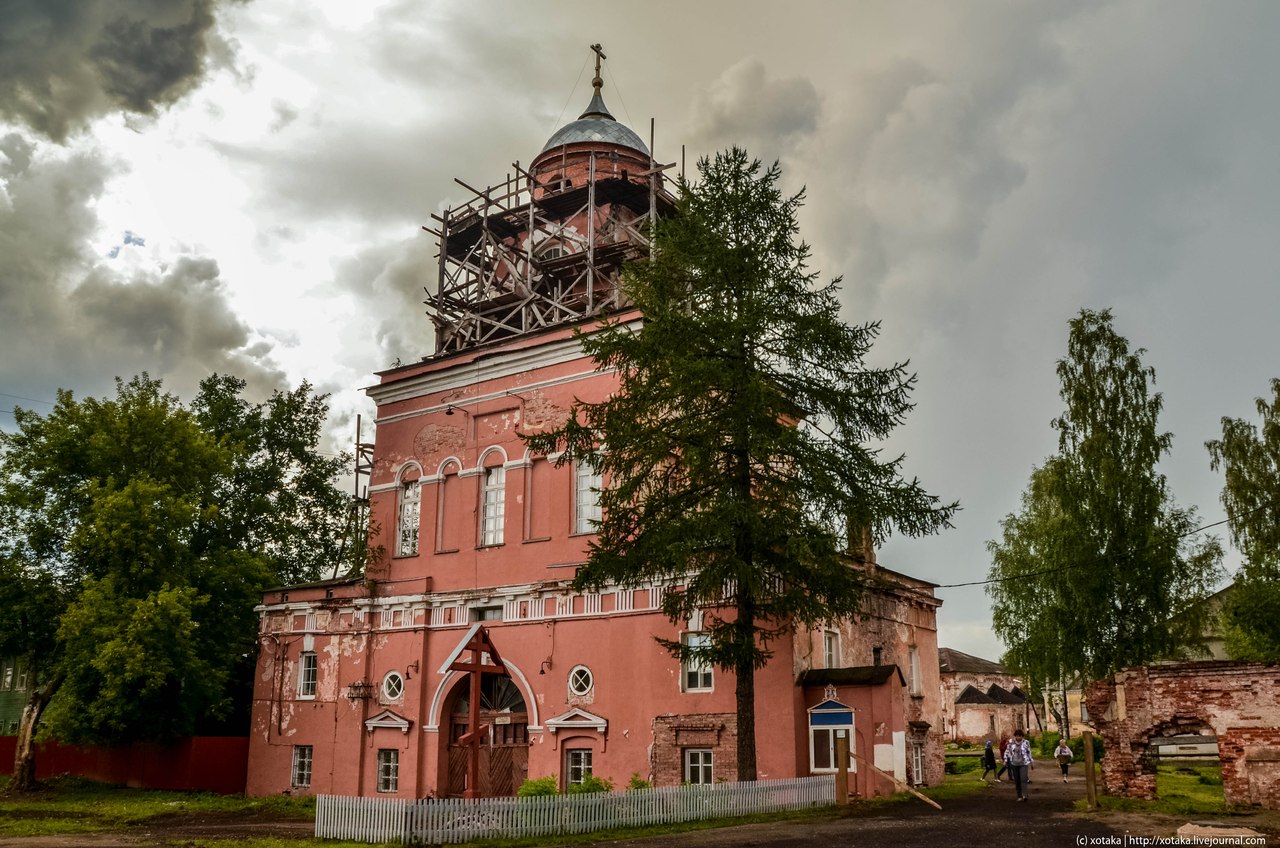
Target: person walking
{"points": [[1004, 746], [1064, 756], [988, 760], [1018, 758]]}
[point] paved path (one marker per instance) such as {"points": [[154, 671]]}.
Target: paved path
{"points": [[990, 816]]}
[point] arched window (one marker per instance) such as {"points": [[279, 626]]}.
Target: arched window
{"points": [[493, 504], [408, 516]]}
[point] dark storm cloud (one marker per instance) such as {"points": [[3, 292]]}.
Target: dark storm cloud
{"points": [[747, 108], [64, 63], [392, 276], [69, 319]]}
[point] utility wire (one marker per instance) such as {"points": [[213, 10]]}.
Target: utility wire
{"points": [[33, 400], [1089, 562]]}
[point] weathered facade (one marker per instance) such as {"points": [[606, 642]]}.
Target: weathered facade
{"points": [[364, 685], [1239, 703], [981, 699]]}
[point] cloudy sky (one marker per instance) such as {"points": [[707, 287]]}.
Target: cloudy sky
{"points": [[190, 186]]}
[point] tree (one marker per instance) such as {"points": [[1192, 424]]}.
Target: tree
{"points": [[737, 443], [1249, 458], [150, 532], [1097, 570]]}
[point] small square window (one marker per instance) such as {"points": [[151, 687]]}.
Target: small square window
{"points": [[388, 770], [301, 767], [486, 613]]}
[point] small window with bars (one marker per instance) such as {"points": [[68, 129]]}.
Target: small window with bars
{"points": [[388, 770], [301, 767]]}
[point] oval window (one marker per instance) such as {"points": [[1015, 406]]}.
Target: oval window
{"points": [[580, 680], [392, 686]]}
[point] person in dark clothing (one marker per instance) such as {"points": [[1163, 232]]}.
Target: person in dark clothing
{"points": [[988, 760], [1004, 746]]}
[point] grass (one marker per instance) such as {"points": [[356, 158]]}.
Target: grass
{"points": [[1183, 789], [70, 805], [74, 805]]}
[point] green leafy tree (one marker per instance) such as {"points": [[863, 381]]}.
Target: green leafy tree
{"points": [[1098, 571], [146, 532], [737, 447], [1249, 458]]}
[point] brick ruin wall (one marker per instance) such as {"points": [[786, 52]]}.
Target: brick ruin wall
{"points": [[1237, 702], [672, 734]]}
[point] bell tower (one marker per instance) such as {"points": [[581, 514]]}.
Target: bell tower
{"points": [[546, 246]]}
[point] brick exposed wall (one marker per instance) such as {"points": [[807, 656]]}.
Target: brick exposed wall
{"points": [[673, 733], [1237, 702]]}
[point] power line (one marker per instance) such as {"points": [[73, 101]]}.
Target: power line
{"points": [[1089, 562], [33, 400]]}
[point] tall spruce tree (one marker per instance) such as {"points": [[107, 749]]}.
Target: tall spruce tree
{"points": [[136, 536], [1249, 458], [738, 444], [1099, 569]]}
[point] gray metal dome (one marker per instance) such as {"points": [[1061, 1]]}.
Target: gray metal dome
{"points": [[596, 129]]}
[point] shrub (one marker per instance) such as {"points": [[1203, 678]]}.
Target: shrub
{"points": [[1077, 748], [637, 782], [591, 784], [539, 787]]}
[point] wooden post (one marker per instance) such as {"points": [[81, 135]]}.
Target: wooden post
{"points": [[1090, 782], [842, 767]]}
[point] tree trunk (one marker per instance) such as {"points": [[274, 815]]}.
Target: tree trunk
{"points": [[746, 688], [24, 753]]}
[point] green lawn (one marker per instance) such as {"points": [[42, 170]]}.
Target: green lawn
{"points": [[1182, 789]]}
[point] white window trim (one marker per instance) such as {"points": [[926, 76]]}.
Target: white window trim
{"points": [[388, 771], [703, 669], [813, 768], [408, 518], [294, 782], [587, 484], [831, 648], [387, 696], [308, 683], [568, 765], [493, 506], [581, 691], [689, 767]]}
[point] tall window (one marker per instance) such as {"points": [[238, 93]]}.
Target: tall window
{"points": [[577, 764], [917, 685], [917, 763], [586, 497], [408, 518], [696, 672], [307, 667], [493, 505], [697, 766], [388, 770], [7, 674], [301, 767], [830, 649]]}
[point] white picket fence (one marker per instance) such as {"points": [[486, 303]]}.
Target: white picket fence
{"points": [[435, 821]]}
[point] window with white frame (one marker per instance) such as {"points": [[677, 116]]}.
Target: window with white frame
{"points": [[392, 686], [493, 505], [697, 766], [388, 770], [917, 685], [409, 518], [830, 649], [8, 674], [22, 676], [308, 666], [577, 764], [301, 767], [587, 483], [695, 672], [917, 763], [581, 681], [822, 746]]}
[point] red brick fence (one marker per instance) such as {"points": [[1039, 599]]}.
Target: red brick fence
{"points": [[1239, 703], [203, 763]]}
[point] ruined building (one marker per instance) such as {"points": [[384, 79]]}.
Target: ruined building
{"points": [[465, 633]]}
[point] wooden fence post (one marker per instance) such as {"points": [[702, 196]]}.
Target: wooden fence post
{"points": [[1090, 782], [842, 767]]}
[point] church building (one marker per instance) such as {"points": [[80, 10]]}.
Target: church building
{"points": [[461, 662]]}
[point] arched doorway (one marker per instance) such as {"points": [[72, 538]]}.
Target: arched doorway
{"points": [[504, 751]]}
